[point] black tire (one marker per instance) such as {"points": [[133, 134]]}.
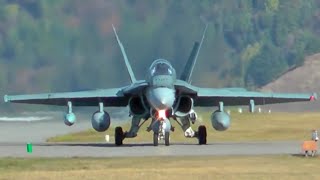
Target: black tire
{"points": [[155, 139], [118, 136], [202, 135], [167, 138]]}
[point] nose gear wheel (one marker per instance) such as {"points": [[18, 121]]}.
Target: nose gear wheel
{"points": [[161, 134]]}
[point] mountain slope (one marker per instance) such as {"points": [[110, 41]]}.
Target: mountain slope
{"points": [[305, 78]]}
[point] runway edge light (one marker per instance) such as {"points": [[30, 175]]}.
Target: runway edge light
{"points": [[29, 147]]}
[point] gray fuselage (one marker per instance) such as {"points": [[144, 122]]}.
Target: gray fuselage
{"points": [[161, 78]]}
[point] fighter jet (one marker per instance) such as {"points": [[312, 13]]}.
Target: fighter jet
{"points": [[162, 97]]}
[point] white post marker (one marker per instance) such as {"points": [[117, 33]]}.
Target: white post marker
{"points": [[107, 138], [315, 136], [240, 110], [229, 112], [259, 109]]}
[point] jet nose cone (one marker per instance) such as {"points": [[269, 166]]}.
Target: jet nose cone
{"points": [[161, 98]]}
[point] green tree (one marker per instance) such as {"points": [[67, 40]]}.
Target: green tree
{"points": [[266, 66], [69, 45]]}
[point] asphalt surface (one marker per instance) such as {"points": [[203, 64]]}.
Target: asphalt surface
{"points": [[15, 135], [37, 131]]}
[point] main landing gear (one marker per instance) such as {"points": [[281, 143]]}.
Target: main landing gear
{"points": [[118, 136], [202, 135]]}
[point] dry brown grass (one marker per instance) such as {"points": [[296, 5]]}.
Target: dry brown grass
{"points": [[244, 127], [225, 167], [301, 79]]}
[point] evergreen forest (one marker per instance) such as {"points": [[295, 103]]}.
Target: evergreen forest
{"points": [[69, 45]]}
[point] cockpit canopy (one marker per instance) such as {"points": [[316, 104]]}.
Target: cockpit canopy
{"points": [[161, 67]]}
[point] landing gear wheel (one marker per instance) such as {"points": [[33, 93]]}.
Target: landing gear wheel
{"points": [[167, 138], [155, 139], [118, 136], [202, 135]]}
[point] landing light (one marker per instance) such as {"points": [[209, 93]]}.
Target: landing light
{"points": [[162, 114]]}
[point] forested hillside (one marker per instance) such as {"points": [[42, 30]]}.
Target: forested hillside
{"points": [[59, 45]]}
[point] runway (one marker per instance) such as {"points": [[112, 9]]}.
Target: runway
{"points": [[15, 135], [37, 131], [141, 150]]}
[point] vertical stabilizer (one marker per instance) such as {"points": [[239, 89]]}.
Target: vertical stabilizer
{"points": [[188, 68], [132, 77]]}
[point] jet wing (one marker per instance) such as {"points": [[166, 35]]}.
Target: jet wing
{"points": [[110, 97], [237, 97]]}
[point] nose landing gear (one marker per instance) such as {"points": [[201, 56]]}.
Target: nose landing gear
{"points": [[161, 131]]}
